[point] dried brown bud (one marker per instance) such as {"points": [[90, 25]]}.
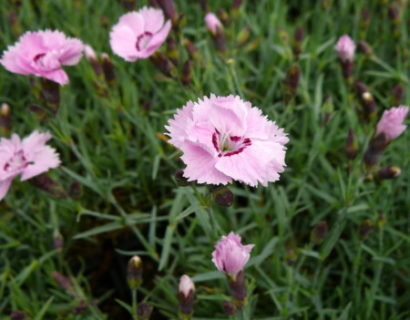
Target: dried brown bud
{"points": [[64, 282], [365, 228], [364, 48], [190, 48], [187, 73], [47, 184], [5, 119], [222, 196], [237, 289], [236, 4], [18, 315], [229, 308], [297, 41], [398, 94], [291, 82], [108, 68], [168, 6], [162, 63], [204, 5], [375, 149], [365, 15]]}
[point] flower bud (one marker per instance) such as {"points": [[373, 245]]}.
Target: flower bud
{"points": [[5, 119], [388, 172], [237, 289], [243, 36], [222, 196], [351, 147], [154, 3], [187, 73], [398, 94], [204, 5], [375, 149], [128, 5], [58, 241], [108, 68], [319, 232], [215, 27], [368, 103], [144, 311], [297, 41], [92, 58], [134, 272], [236, 4], [65, 283], [229, 308], [365, 17], [345, 47], [168, 6], [190, 48], [291, 82], [223, 16], [162, 63], [47, 184], [394, 13], [365, 228], [186, 292], [365, 48], [18, 315], [75, 190], [391, 122]]}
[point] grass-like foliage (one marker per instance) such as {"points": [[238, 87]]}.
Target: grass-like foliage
{"points": [[331, 238]]}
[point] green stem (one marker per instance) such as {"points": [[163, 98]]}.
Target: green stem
{"points": [[134, 304]]}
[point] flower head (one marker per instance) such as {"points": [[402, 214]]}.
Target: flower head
{"points": [[225, 139], [212, 23], [138, 34], [391, 122], [28, 158], [230, 256], [42, 54], [186, 286], [345, 47]]}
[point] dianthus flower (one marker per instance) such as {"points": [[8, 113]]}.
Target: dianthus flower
{"points": [[391, 122], [225, 139], [42, 54]]}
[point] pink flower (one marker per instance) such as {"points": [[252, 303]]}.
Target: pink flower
{"points": [[225, 139], [43, 53], [186, 286], [28, 158], [139, 34], [212, 23], [345, 47], [391, 122], [230, 256]]}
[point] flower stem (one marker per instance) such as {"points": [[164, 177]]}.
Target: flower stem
{"points": [[134, 304]]}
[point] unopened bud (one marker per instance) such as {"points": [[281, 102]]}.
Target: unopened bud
{"points": [[389, 172], [319, 232], [204, 5], [365, 17], [394, 14], [236, 4], [222, 196], [327, 109], [134, 272], [64, 282], [297, 41], [5, 119], [223, 15], [47, 184], [398, 94], [381, 220], [172, 49], [18, 315], [144, 311], [368, 103], [168, 6], [186, 292], [215, 27], [364, 48], [291, 82], [154, 3], [108, 68], [128, 5], [351, 147], [187, 73], [375, 149], [75, 190], [92, 58], [58, 241], [229, 308], [162, 63], [347, 68], [365, 228], [190, 48]]}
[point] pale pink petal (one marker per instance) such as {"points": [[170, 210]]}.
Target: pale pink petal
{"points": [[201, 165], [153, 19], [156, 41], [123, 42], [346, 48], [391, 122], [42, 160], [59, 76], [4, 187], [133, 20], [212, 23], [179, 125], [72, 52]]}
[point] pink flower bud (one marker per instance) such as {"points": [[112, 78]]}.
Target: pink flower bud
{"points": [[345, 47], [89, 53], [186, 285], [230, 256], [213, 24], [391, 122]]}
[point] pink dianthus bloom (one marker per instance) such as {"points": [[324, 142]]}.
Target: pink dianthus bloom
{"points": [[346, 48], [230, 256], [212, 22], [391, 122], [139, 34], [42, 54], [225, 139], [28, 158]]}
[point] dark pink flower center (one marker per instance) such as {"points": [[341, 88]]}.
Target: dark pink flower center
{"points": [[143, 40], [227, 145], [16, 163]]}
